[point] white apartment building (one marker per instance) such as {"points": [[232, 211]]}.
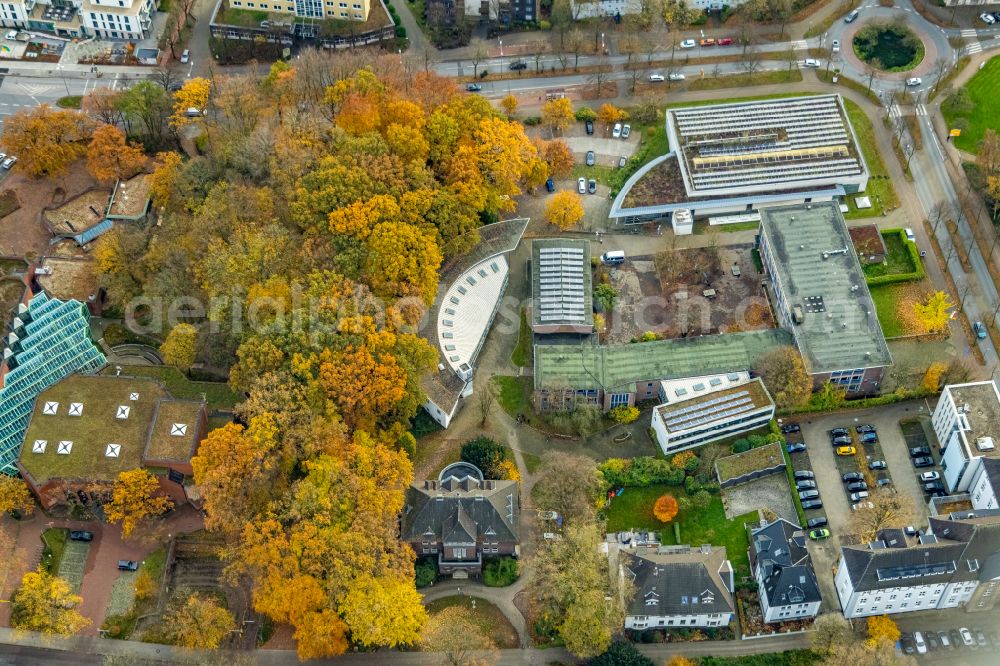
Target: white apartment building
{"points": [[983, 489], [678, 586], [704, 409], [104, 19], [967, 424], [955, 563], [786, 580]]}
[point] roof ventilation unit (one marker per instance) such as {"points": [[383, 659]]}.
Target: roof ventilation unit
{"points": [[985, 444]]}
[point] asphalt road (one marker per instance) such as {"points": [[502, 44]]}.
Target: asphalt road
{"points": [[18, 92], [20, 655]]}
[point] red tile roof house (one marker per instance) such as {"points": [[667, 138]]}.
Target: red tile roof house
{"points": [[86, 429]]}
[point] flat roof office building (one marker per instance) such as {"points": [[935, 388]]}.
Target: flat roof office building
{"points": [[967, 424], [734, 158], [819, 294], [561, 294]]}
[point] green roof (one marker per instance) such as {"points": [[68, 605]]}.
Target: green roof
{"points": [[618, 367], [166, 441], [813, 265]]}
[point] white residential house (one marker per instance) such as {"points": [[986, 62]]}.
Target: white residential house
{"points": [[678, 586], [699, 410], [786, 581], [954, 563], [967, 424], [983, 489]]}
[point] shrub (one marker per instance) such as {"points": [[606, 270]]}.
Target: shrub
{"points": [[686, 460], [489, 456], [640, 472], [408, 443], [500, 572], [533, 120], [426, 572], [401, 32], [741, 445], [585, 113], [757, 440], [665, 508], [624, 414]]}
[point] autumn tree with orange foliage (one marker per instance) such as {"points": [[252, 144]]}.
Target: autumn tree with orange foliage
{"points": [[679, 660], [557, 156], [881, 629], [46, 140], [564, 210], [110, 157], [665, 508], [136, 495]]}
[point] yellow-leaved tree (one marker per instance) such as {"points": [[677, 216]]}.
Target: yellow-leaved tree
{"points": [[370, 599], [135, 497], [199, 623], [609, 114], [110, 156], [192, 96], [46, 140], [557, 114], [932, 378], [46, 604], [881, 629], [933, 312], [509, 105], [180, 346], [564, 210], [15, 496]]}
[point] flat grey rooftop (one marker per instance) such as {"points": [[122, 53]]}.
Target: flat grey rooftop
{"points": [[818, 270], [983, 414], [560, 285]]}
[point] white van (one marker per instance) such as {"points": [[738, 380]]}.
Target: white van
{"points": [[909, 235], [613, 257]]}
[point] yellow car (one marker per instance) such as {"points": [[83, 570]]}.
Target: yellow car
{"points": [[846, 450]]}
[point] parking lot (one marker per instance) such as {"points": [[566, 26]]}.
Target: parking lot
{"points": [[951, 621], [829, 468]]}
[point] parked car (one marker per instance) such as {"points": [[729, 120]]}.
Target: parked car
{"points": [[945, 640], [81, 535], [796, 448], [821, 533], [816, 522], [852, 17], [920, 451], [923, 461], [185, 56], [622, 161], [862, 505], [550, 185], [518, 65], [858, 496], [804, 474], [725, 41], [918, 641], [967, 638], [676, 77], [987, 18], [835, 46], [856, 486], [980, 330], [9, 162], [877, 464], [869, 438], [865, 427], [592, 186], [914, 81], [617, 131], [128, 565], [626, 130], [883, 482], [791, 427], [906, 643], [853, 476], [813, 63], [589, 126], [708, 41], [656, 78], [688, 44], [840, 432], [956, 638], [805, 485], [929, 476], [846, 450], [841, 441], [11, 35], [581, 185], [808, 494], [980, 637], [812, 504], [473, 87], [933, 487], [591, 158]]}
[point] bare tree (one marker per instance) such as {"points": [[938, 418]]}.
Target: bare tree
{"points": [[750, 62], [479, 53], [575, 41], [882, 509], [485, 404], [539, 49], [165, 77], [938, 71], [429, 55], [831, 629], [871, 69]]}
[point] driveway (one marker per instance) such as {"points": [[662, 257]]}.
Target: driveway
{"points": [[612, 148]]}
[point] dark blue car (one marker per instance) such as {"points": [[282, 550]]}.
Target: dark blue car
{"points": [[550, 186]]}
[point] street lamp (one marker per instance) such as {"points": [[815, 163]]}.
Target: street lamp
{"points": [[501, 55], [602, 44]]}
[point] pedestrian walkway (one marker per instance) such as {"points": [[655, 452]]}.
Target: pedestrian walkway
{"points": [[974, 47], [800, 45]]}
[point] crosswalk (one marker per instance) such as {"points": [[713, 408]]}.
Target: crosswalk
{"points": [[969, 32], [35, 89], [895, 111], [974, 47], [921, 110], [800, 45]]}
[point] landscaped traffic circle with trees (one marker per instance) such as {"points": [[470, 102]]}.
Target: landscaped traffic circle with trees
{"points": [[891, 47]]}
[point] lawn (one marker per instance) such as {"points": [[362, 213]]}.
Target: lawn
{"points": [[880, 189], [602, 174], [982, 89], [531, 461], [894, 303], [218, 394], [897, 258], [634, 509], [515, 394], [742, 80], [522, 352], [241, 17], [487, 617], [55, 545]]}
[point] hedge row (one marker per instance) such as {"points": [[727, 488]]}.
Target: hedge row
{"points": [[901, 395], [911, 247], [790, 473]]}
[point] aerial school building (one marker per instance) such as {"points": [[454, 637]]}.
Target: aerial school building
{"points": [[730, 160]]}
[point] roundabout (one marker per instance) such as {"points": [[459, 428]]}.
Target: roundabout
{"points": [[890, 47]]}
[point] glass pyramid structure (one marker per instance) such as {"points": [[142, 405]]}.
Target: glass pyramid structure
{"points": [[49, 340]]}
